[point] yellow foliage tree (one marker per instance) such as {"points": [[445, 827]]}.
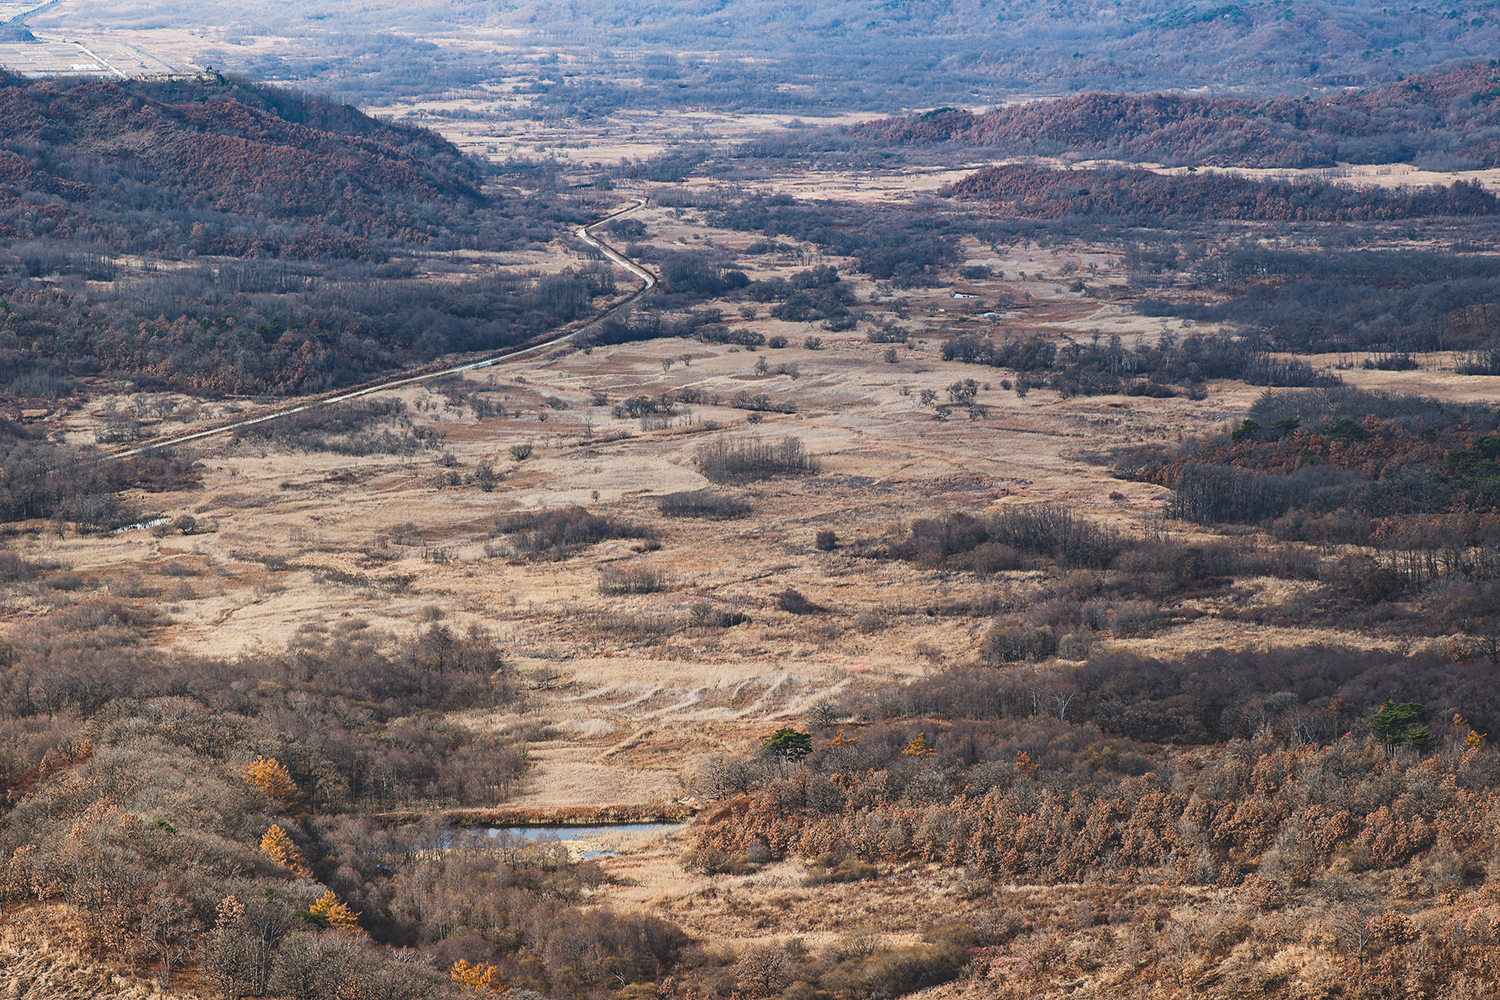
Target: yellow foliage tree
{"points": [[272, 778], [1025, 764], [278, 846], [1473, 741], [335, 912], [841, 741], [478, 978], [919, 747]]}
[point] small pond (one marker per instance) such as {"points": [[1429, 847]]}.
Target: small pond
{"points": [[592, 841]]}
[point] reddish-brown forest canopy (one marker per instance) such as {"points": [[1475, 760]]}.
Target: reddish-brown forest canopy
{"points": [[1036, 192], [114, 158], [1452, 114]]}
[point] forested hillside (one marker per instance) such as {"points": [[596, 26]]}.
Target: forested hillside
{"points": [[1144, 197], [224, 167], [1448, 119], [275, 242]]}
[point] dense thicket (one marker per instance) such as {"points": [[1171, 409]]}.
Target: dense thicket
{"points": [[1346, 300], [557, 534], [1311, 694], [229, 168], [1146, 198], [1414, 479], [1046, 801], [40, 478], [902, 246], [1391, 458], [1164, 368], [1055, 774], [353, 716], [252, 327]]}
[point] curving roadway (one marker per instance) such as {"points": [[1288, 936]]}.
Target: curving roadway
{"points": [[583, 233]]}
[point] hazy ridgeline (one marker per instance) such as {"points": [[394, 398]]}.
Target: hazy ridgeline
{"points": [[850, 54]]}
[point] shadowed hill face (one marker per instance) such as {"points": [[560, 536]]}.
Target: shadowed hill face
{"points": [[1450, 115], [219, 158]]}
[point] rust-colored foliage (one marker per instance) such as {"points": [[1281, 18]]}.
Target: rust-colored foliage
{"points": [[1238, 132], [273, 779], [478, 978], [278, 846], [336, 912], [228, 156], [1037, 192], [1357, 801]]}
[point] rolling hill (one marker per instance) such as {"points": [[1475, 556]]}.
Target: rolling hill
{"points": [[1449, 119]]}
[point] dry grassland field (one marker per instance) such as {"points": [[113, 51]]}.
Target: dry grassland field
{"points": [[941, 579], [635, 697]]}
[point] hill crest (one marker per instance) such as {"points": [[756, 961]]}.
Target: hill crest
{"points": [[1452, 116]]}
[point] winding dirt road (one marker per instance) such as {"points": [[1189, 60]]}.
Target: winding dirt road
{"points": [[316, 402]]}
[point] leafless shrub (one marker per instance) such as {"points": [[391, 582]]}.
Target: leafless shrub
{"points": [[706, 614], [1011, 641], [760, 402], [721, 776], [1135, 618], [632, 580], [793, 602], [763, 971], [556, 534], [706, 504], [729, 460]]}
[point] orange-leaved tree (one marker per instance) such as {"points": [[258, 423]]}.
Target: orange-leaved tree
{"points": [[478, 978], [273, 779], [330, 911], [919, 747], [278, 846]]}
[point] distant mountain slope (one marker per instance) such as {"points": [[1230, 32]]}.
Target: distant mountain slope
{"points": [[808, 54], [224, 167], [1450, 118], [1041, 46]]}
